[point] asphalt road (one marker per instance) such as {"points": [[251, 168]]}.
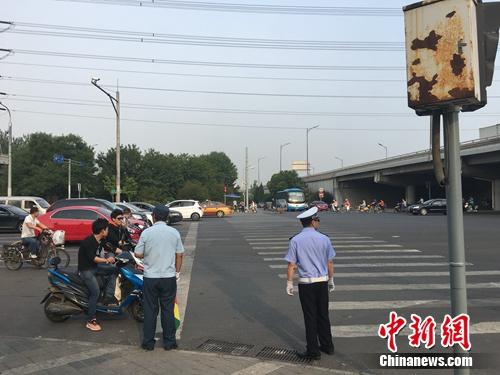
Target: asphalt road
{"points": [[237, 289]]}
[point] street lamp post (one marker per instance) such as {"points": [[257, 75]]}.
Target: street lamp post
{"points": [[385, 147], [307, 147], [115, 102], [9, 167], [258, 168], [281, 152], [341, 161]]}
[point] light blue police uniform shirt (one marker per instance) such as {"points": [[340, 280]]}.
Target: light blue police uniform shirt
{"points": [[310, 250], [159, 244]]}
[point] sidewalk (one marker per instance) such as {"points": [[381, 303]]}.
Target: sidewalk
{"points": [[51, 356]]}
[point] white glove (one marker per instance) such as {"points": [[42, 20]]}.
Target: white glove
{"points": [[177, 276], [289, 288], [331, 286]]}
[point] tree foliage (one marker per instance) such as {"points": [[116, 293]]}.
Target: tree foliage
{"points": [[147, 176], [284, 180]]}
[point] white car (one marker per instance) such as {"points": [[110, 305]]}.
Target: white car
{"points": [[188, 208]]}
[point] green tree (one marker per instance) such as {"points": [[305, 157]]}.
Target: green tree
{"points": [[284, 180], [130, 188], [257, 192], [193, 190], [35, 173]]}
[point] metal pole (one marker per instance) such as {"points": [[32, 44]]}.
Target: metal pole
{"points": [[455, 219], [118, 149], [246, 178], [281, 156], [307, 151], [69, 178], [9, 156]]}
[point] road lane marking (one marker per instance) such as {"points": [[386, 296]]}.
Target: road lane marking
{"points": [[402, 274], [58, 362], [261, 368], [386, 287], [388, 305], [371, 330], [377, 265], [185, 281], [373, 257], [351, 252], [273, 237]]}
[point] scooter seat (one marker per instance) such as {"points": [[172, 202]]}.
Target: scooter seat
{"points": [[75, 279]]}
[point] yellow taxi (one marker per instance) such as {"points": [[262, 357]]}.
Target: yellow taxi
{"points": [[218, 209]]}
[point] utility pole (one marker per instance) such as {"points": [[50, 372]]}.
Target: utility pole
{"points": [[281, 152], [246, 178], [69, 178], [9, 167], [258, 168], [307, 147], [115, 102]]}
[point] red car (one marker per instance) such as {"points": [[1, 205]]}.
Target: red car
{"points": [[322, 206], [77, 221]]}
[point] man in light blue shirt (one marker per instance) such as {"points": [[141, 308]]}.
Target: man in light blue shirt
{"points": [[311, 252], [162, 250]]}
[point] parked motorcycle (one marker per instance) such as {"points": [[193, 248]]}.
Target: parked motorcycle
{"points": [[68, 294], [51, 245]]}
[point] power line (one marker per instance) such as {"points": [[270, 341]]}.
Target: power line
{"points": [[197, 40], [212, 92], [252, 8], [98, 103], [52, 66], [350, 129], [204, 63]]}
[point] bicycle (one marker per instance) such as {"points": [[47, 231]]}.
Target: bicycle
{"points": [[51, 246]]}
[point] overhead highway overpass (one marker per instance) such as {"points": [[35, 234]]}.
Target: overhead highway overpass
{"points": [[412, 176]]}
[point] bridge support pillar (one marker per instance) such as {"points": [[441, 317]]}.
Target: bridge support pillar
{"points": [[495, 192], [410, 194], [337, 191]]}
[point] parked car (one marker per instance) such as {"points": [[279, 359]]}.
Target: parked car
{"points": [[322, 206], [25, 203], [77, 221], [11, 218], [429, 207], [137, 213], [144, 206], [211, 208], [92, 202], [174, 216], [188, 208]]}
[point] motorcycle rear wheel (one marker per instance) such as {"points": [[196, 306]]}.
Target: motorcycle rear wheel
{"points": [[62, 254], [14, 260], [51, 316], [137, 310]]}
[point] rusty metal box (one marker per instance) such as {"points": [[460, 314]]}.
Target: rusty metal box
{"points": [[442, 54]]}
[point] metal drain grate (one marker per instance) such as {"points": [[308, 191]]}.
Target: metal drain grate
{"points": [[280, 354], [215, 346]]}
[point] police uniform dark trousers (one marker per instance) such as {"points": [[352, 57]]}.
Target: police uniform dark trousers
{"points": [[161, 293], [314, 301]]}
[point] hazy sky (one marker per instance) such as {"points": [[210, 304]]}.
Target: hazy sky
{"points": [[352, 145]]}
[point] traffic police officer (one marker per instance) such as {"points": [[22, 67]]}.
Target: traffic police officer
{"points": [[312, 253]]}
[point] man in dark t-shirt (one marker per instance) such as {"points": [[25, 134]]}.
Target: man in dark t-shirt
{"points": [[87, 267], [116, 236]]}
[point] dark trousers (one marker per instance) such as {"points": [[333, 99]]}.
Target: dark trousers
{"points": [[31, 243], [314, 301], [159, 293], [90, 281]]}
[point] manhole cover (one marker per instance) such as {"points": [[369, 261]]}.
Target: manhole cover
{"points": [[280, 354], [215, 346]]}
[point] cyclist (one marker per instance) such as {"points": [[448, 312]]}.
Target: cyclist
{"points": [[28, 235]]}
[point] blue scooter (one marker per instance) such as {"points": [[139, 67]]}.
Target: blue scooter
{"points": [[68, 294]]}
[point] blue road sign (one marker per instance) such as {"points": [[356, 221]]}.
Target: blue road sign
{"points": [[58, 158]]}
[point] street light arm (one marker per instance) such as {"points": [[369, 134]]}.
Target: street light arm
{"points": [[112, 99]]}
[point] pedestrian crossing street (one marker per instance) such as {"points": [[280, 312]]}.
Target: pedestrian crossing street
{"points": [[378, 269]]}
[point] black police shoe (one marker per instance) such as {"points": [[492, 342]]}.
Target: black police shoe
{"points": [[170, 347], [309, 356], [328, 350]]}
